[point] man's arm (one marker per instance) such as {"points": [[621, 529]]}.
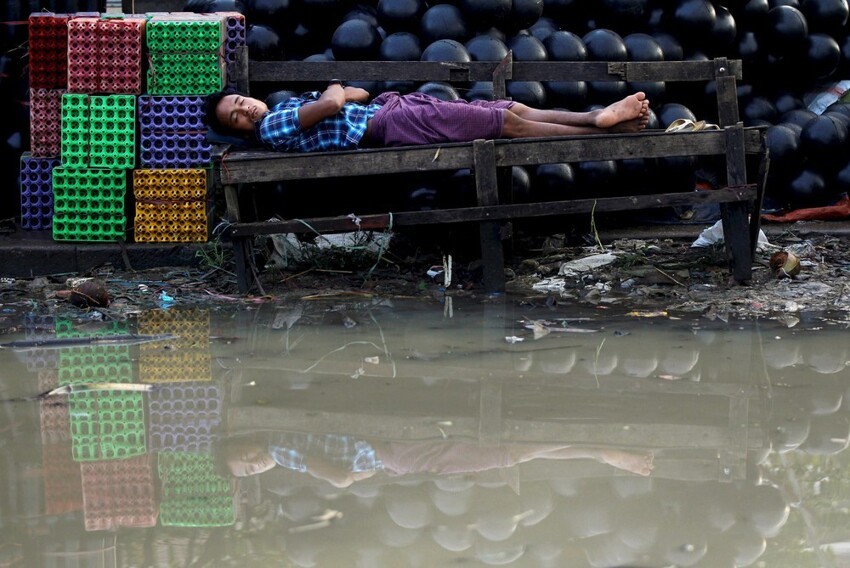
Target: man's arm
{"points": [[329, 103]]}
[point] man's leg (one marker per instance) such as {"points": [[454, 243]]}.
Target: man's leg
{"points": [[632, 107]]}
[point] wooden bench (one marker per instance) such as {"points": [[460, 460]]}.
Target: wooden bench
{"points": [[740, 196]]}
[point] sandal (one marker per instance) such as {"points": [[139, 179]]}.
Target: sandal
{"points": [[688, 125]]}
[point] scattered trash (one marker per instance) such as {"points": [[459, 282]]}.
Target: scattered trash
{"points": [[165, 299], [514, 339], [287, 318], [714, 235], [586, 264], [784, 264], [88, 387], [372, 360], [58, 343], [87, 294], [75, 282], [549, 285], [649, 314]]}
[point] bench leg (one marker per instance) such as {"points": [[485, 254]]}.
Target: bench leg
{"points": [[736, 231], [736, 224], [486, 186], [241, 257]]}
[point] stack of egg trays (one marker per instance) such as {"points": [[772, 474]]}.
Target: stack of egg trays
{"points": [[186, 54], [37, 192], [119, 494], [98, 131], [235, 36], [172, 133], [105, 54], [171, 205], [88, 204], [105, 424], [45, 118], [192, 493], [48, 50]]}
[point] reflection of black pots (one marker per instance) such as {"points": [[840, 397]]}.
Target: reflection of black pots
{"points": [[828, 435]]}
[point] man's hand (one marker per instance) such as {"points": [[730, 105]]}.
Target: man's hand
{"points": [[356, 95]]}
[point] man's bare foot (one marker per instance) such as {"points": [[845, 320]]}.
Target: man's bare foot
{"points": [[639, 463], [634, 125], [624, 110]]}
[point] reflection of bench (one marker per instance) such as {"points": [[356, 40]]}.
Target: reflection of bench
{"points": [[495, 412], [491, 160]]}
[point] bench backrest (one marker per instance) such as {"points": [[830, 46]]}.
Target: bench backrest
{"points": [[245, 72]]}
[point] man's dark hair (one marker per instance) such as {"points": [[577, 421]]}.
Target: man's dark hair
{"points": [[210, 117]]}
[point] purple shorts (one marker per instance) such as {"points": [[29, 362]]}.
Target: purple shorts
{"points": [[417, 118]]}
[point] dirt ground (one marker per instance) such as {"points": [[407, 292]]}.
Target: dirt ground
{"points": [[650, 275]]}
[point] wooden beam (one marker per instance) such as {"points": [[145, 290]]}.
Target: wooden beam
{"points": [[495, 212]]}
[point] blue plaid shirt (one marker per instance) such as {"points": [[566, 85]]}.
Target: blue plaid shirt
{"points": [[291, 449], [281, 129]]}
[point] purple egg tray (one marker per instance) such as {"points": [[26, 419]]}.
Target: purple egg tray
{"points": [[184, 417], [174, 150], [37, 192]]}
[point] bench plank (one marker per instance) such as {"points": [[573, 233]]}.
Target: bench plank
{"points": [[492, 213], [256, 166]]}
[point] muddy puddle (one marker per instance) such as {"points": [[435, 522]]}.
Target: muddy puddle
{"points": [[369, 432]]}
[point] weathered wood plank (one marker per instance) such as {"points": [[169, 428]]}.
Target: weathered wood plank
{"points": [[255, 166], [496, 212], [317, 71]]}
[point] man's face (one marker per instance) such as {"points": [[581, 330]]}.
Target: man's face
{"points": [[250, 460], [240, 112]]}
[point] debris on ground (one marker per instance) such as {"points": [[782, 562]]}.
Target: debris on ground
{"points": [[641, 276]]}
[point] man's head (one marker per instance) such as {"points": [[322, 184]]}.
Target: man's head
{"points": [[233, 112], [243, 456]]}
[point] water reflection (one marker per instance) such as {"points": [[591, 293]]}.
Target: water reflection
{"points": [[371, 434]]}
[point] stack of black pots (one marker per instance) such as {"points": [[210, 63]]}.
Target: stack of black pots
{"points": [[790, 49]]}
